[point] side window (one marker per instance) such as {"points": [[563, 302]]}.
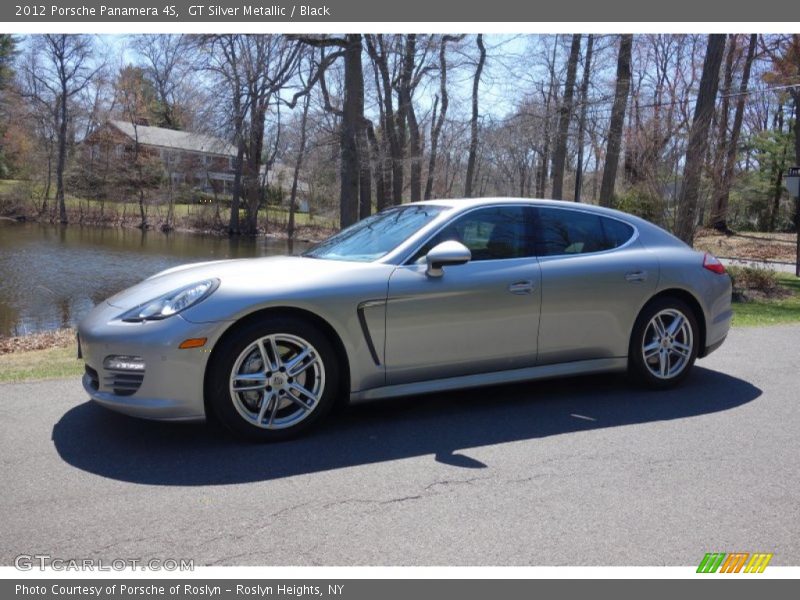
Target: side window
{"points": [[564, 231], [490, 234], [617, 232]]}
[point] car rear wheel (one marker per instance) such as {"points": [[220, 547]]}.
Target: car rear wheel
{"points": [[273, 379], [664, 343]]}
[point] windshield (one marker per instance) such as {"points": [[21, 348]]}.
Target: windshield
{"points": [[377, 235]]}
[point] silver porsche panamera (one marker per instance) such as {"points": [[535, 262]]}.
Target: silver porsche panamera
{"points": [[419, 298]]}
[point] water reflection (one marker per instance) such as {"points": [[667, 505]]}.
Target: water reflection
{"points": [[50, 276]]}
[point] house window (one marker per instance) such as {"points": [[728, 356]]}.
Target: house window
{"points": [[177, 178], [119, 150], [94, 152]]}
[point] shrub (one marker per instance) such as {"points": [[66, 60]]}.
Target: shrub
{"points": [[753, 281]]}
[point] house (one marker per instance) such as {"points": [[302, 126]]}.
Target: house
{"points": [[191, 159], [197, 160]]}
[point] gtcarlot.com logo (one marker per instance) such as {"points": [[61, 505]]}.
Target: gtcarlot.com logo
{"points": [[29, 562], [735, 562]]}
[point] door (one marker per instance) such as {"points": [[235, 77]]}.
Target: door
{"points": [[595, 277], [482, 316]]}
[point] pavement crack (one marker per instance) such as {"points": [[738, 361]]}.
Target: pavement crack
{"points": [[450, 482]]}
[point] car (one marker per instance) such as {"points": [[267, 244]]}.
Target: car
{"points": [[418, 298]]}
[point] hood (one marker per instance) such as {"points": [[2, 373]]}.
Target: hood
{"points": [[273, 273]]}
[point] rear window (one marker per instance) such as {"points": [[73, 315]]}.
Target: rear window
{"points": [[563, 231]]}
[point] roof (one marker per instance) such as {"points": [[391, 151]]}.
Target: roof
{"points": [[179, 140]]}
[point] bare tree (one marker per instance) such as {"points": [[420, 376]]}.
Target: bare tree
{"points": [[686, 217], [617, 120], [67, 67], [587, 65], [564, 116], [719, 211], [473, 124], [298, 163], [255, 68], [166, 64], [438, 119]]}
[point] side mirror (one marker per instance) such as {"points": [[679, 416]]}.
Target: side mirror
{"points": [[448, 253]]}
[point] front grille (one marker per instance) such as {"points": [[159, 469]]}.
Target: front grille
{"points": [[123, 384], [94, 380]]}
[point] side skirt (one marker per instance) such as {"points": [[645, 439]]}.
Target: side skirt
{"points": [[580, 367]]}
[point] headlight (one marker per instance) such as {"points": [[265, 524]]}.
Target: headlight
{"points": [[172, 303]]}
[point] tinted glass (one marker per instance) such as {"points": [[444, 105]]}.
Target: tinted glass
{"points": [[377, 235], [564, 231], [490, 233], [617, 232]]}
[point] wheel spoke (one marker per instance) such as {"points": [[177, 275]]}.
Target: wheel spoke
{"points": [[265, 401], [676, 324], [275, 404], [249, 388], [681, 349], [651, 349], [297, 368], [276, 363], [296, 387], [659, 326], [297, 400], [250, 377], [257, 381], [663, 363]]}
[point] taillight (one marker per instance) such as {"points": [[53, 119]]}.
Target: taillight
{"points": [[712, 263]]}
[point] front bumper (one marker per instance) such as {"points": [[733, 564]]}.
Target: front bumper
{"points": [[171, 386]]}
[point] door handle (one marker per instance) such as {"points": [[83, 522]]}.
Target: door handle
{"points": [[521, 287], [635, 276]]}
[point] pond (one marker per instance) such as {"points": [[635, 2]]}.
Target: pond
{"points": [[51, 276]]}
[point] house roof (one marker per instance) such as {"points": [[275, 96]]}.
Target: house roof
{"points": [[179, 140]]}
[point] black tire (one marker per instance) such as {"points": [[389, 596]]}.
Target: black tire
{"points": [[237, 411], [643, 370]]}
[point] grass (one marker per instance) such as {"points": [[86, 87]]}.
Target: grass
{"points": [[771, 312], [39, 364]]}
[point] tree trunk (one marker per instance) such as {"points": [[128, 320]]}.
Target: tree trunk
{"points": [[236, 193], [409, 117], [379, 167], [252, 171], [62, 153], [617, 121], [587, 65], [298, 163], [364, 173], [544, 162], [796, 98], [390, 121], [564, 116], [352, 119], [473, 139], [438, 121], [719, 214], [686, 217]]}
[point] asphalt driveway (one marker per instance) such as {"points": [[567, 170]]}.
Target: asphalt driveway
{"points": [[587, 471]]}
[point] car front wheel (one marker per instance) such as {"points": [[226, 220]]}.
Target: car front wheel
{"points": [[273, 379], [664, 343]]}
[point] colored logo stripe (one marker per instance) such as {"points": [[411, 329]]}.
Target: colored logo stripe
{"points": [[758, 563], [733, 563], [711, 562]]}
